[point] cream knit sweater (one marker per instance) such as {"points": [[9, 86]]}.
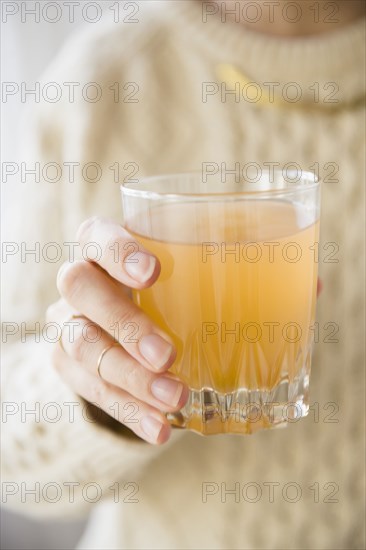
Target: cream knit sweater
{"points": [[301, 487]]}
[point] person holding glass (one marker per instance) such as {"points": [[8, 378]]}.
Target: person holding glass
{"points": [[170, 104]]}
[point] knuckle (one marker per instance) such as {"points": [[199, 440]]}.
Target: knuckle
{"points": [[120, 319], [132, 379], [57, 311], [76, 348], [85, 228], [115, 244], [69, 277], [97, 393], [122, 245]]}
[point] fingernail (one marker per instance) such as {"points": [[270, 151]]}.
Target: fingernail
{"points": [[140, 266], [151, 427], [156, 350], [167, 390]]}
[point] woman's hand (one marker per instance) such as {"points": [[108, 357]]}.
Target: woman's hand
{"points": [[95, 311]]}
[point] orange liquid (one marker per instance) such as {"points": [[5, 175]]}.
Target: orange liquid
{"points": [[237, 290]]}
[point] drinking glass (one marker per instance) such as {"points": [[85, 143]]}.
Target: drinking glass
{"points": [[236, 292]]}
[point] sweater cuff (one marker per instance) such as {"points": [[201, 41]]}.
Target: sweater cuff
{"points": [[52, 441]]}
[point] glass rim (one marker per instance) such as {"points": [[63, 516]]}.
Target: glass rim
{"points": [[307, 180]]}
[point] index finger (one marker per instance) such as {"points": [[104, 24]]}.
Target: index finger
{"points": [[122, 256]]}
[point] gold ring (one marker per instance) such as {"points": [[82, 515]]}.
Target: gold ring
{"points": [[75, 316], [102, 355]]}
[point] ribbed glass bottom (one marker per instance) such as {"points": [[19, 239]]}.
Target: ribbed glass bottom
{"points": [[244, 411]]}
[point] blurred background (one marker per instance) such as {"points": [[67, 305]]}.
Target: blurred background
{"points": [[27, 48]]}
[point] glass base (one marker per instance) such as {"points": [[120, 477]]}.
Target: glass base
{"points": [[244, 411]]}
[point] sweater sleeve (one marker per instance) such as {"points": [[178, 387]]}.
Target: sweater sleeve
{"points": [[59, 455]]}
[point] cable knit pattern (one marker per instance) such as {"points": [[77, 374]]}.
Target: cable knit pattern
{"points": [[169, 54]]}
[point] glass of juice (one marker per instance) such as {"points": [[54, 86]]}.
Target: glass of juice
{"points": [[237, 290]]}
